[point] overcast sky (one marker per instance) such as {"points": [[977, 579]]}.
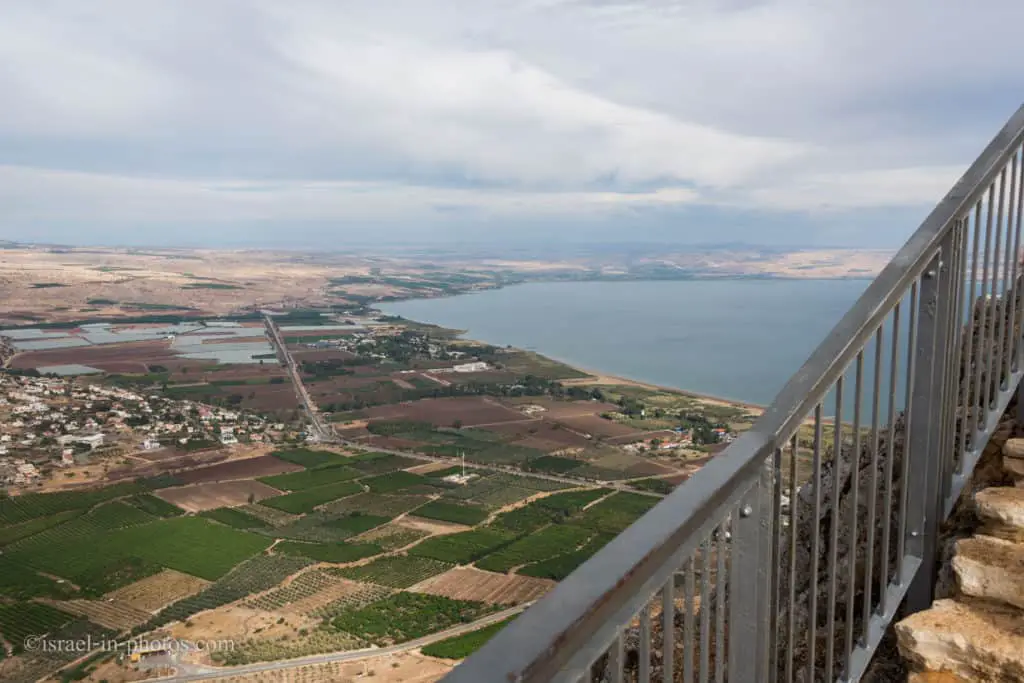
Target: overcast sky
{"points": [[305, 123]]}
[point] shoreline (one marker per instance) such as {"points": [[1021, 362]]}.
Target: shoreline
{"points": [[597, 377]]}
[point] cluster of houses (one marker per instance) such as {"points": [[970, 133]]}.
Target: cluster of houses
{"points": [[47, 422]]}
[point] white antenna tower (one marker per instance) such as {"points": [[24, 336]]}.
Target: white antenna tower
{"points": [[463, 454]]}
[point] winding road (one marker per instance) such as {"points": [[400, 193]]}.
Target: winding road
{"points": [[208, 673]]}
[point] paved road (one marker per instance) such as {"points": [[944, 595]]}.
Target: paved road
{"points": [[318, 428], [349, 656]]}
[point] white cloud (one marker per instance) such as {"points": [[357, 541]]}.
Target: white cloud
{"points": [[251, 110]]}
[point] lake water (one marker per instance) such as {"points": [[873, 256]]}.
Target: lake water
{"points": [[738, 339]]}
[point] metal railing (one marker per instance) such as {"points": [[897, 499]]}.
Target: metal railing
{"points": [[787, 556]]}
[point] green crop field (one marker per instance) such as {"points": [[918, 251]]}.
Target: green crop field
{"points": [[392, 536], [310, 459], [158, 507], [192, 545], [329, 552], [394, 481], [356, 523], [377, 504], [116, 515], [406, 616], [452, 512], [15, 532], [308, 499], [379, 463], [571, 501], [462, 548], [302, 586], [553, 508], [235, 518], [22, 619], [297, 481], [560, 566], [396, 571], [654, 485], [22, 583], [255, 575], [545, 544], [554, 464], [617, 512], [460, 647], [32, 505]]}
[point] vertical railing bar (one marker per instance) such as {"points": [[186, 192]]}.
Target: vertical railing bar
{"points": [[967, 376], [690, 590], [894, 362], [854, 502], [869, 547], [644, 674], [993, 359], [722, 579], [1018, 316], [1013, 221], [668, 628], [950, 457], [907, 412], [776, 582], [815, 544], [794, 477], [616, 659], [833, 544], [957, 372], [1005, 309], [705, 610], [983, 305]]}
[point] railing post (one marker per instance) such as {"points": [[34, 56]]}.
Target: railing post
{"points": [[924, 440], [750, 575]]}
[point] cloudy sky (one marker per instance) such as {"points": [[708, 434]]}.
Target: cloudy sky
{"points": [[308, 123]]}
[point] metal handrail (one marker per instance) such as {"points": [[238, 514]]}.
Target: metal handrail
{"points": [[587, 618]]}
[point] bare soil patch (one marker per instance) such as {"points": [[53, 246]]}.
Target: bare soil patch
{"points": [[470, 583], [475, 410], [597, 426], [248, 468], [201, 497], [155, 592]]}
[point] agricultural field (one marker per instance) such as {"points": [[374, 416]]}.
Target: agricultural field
{"points": [[14, 532], [560, 566], [236, 518], [393, 481], [310, 459], [247, 468], [380, 463], [340, 598], [201, 497], [452, 512], [553, 508], [329, 552], [155, 506], [270, 516], [407, 616], [325, 474], [542, 545], [309, 499], [156, 591], [18, 620], [255, 575], [117, 616], [467, 583], [442, 412], [395, 571], [100, 562], [392, 536], [460, 647], [389, 506], [300, 588], [553, 464], [616, 512], [464, 547], [35, 505]]}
